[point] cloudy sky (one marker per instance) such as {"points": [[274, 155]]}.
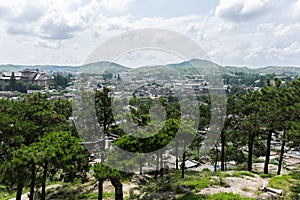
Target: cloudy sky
{"points": [[232, 32]]}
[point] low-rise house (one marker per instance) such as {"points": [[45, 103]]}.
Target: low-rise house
{"points": [[29, 76], [36, 77]]}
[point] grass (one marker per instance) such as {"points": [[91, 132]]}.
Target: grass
{"points": [[219, 196], [198, 180], [196, 183], [246, 189], [221, 174], [193, 181], [5, 195], [289, 183], [95, 195], [190, 196], [72, 191], [185, 189], [281, 182], [241, 174], [262, 175], [228, 196]]}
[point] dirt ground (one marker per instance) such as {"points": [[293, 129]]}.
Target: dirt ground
{"points": [[247, 186]]}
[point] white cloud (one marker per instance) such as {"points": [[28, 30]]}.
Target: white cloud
{"points": [[289, 53], [59, 21], [48, 44], [58, 29], [90, 12], [295, 9], [192, 27], [239, 10], [268, 27], [116, 5], [237, 32], [116, 23], [30, 13], [4, 12]]}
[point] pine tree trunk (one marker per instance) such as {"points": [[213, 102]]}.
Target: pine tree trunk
{"points": [[183, 165], [43, 196], [250, 151], [102, 155], [141, 167], [266, 167], [115, 181], [161, 171], [281, 153], [216, 161], [176, 156], [157, 166], [32, 181], [183, 161], [100, 189], [222, 151], [19, 192]]}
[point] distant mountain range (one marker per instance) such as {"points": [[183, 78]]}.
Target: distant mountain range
{"points": [[196, 64]]}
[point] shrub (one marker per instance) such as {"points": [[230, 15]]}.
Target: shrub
{"points": [[242, 174], [266, 175]]}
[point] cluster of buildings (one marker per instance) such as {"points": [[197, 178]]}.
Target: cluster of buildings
{"points": [[147, 86], [28, 76], [143, 86]]}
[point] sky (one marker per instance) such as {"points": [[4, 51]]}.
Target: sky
{"points": [[252, 33]]}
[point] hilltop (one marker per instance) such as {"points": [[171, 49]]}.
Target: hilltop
{"points": [[194, 64]]}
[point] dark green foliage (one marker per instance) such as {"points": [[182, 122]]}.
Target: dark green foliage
{"points": [[234, 154], [20, 86], [37, 139], [107, 76], [61, 81]]}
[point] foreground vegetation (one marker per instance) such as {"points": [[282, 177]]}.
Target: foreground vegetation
{"points": [[39, 145], [171, 186]]}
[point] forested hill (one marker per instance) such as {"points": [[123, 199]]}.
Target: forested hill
{"points": [[187, 65]]}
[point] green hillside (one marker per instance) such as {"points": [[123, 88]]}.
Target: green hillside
{"points": [[192, 66]]}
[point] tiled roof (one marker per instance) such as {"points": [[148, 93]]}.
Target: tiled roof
{"points": [[9, 74]]}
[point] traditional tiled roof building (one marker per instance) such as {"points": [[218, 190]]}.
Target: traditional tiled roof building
{"points": [[29, 76]]}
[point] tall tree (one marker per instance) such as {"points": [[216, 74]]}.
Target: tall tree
{"points": [[56, 150], [247, 118], [270, 114], [104, 116], [24, 122], [289, 116], [12, 81]]}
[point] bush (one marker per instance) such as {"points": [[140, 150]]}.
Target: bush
{"points": [[266, 175], [190, 196], [196, 183], [164, 184], [95, 195], [242, 174], [233, 153]]}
